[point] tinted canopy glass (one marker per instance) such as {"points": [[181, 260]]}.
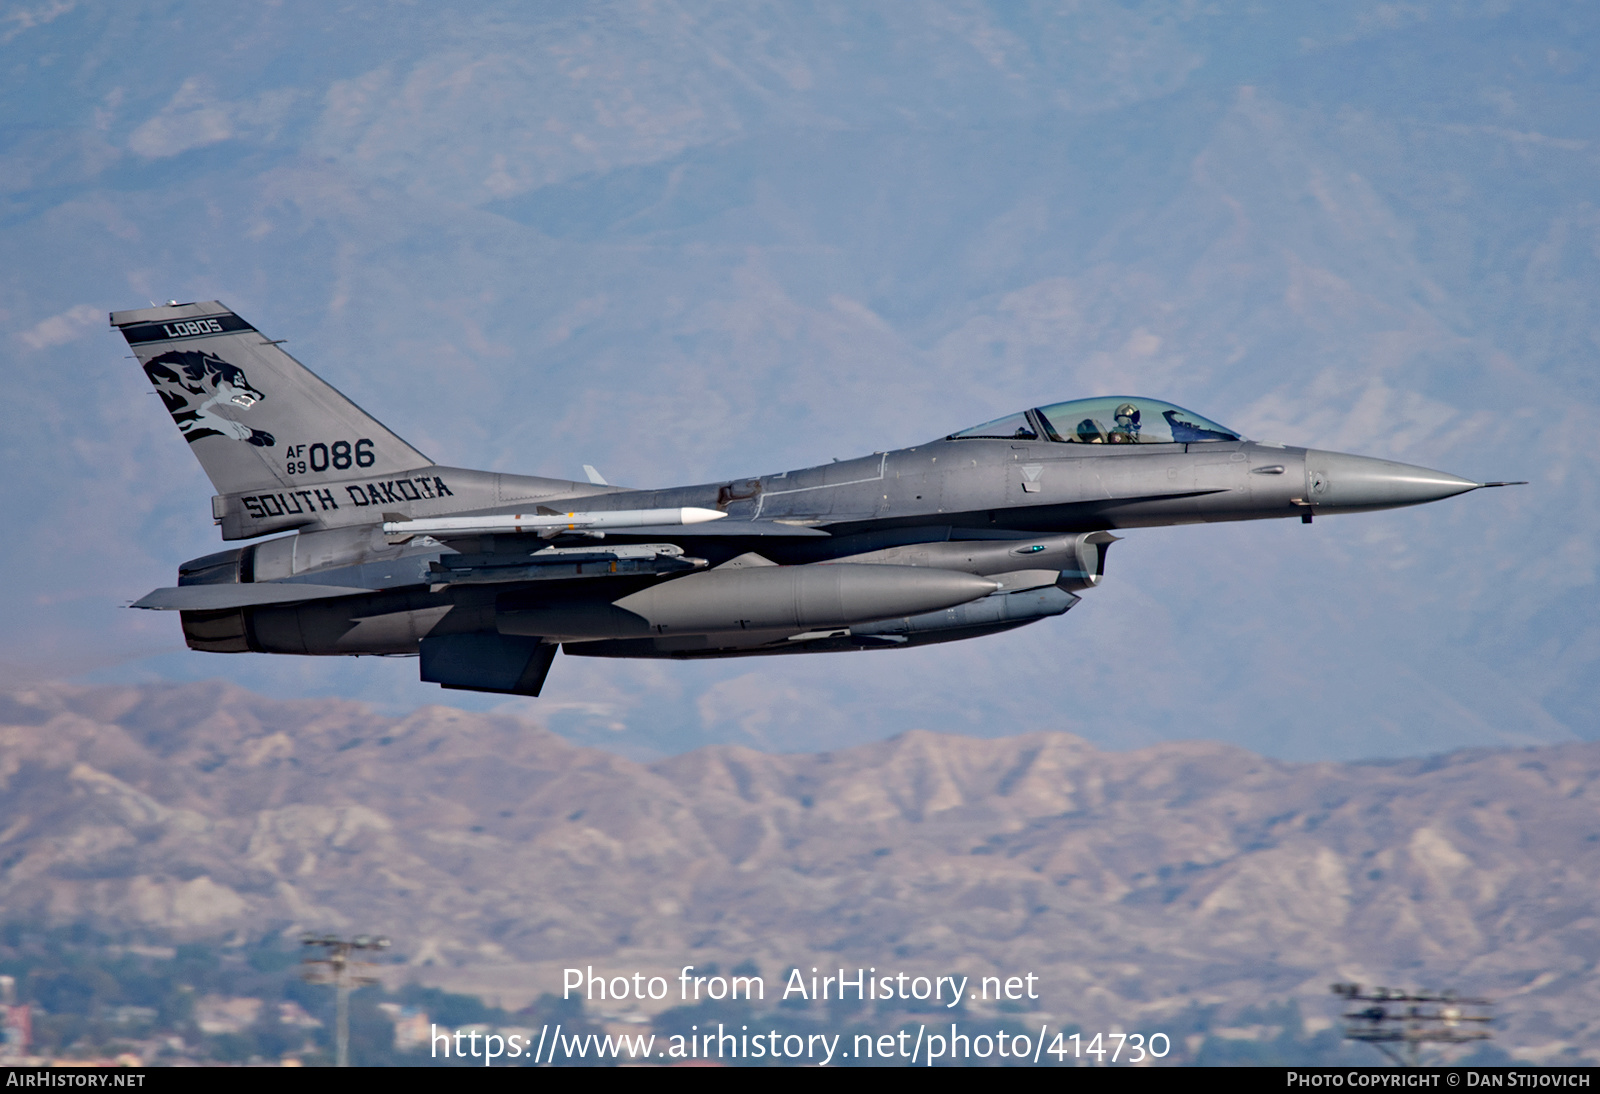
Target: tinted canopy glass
{"points": [[1013, 427], [1127, 420]]}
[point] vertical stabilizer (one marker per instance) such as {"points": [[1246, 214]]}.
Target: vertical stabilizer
{"points": [[254, 417]]}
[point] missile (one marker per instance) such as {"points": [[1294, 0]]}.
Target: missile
{"points": [[549, 521]]}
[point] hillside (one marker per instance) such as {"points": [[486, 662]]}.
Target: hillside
{"points": [[494, 853]]}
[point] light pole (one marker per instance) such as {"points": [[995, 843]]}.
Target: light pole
{"points": [[1407, 1020], [337, 967]]}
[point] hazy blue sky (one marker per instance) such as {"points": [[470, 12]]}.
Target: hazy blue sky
{"points": [[683, 241]]}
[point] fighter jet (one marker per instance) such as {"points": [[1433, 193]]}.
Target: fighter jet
{"points": [[483, 576]]}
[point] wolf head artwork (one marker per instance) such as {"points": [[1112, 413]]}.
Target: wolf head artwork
{"points": [[195, 385]]}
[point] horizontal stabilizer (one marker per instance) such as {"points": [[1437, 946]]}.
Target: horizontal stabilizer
{"points": [[206, 598]]}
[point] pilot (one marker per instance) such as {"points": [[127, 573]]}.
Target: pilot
{"points": [[1126, 431], [1090, 431]]}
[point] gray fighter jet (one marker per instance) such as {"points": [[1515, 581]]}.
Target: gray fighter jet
{"points": [[485, 575]]}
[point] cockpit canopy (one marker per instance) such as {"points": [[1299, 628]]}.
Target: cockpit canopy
{"points": [[1114, 419]]}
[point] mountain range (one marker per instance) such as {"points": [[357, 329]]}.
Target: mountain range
{"points": [[689, 242], [495, 854]]}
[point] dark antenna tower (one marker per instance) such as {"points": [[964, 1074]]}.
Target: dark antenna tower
{"points": [[1398, 1023], [338, 966]]}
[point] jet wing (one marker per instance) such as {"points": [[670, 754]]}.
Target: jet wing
{"points": [[206, 598]]}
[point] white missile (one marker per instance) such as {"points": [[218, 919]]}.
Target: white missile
{"points": [[549, 522]]}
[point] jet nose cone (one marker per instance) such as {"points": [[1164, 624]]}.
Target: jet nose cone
{"points": [[1336, 481]]}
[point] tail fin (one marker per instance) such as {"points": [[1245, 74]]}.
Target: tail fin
{"points": [[256, 418]]}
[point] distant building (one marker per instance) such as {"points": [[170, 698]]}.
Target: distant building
{"points": [[17, 1032], [411, 1025], [131, 1015], [16, 1021], [291, 1013], [225, 1014]]}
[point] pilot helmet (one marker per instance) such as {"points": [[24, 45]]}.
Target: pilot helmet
{"points": [[1128, 417]]}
